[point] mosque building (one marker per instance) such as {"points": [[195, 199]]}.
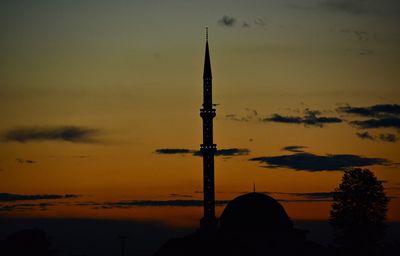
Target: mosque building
{"points": [[251, 224]]}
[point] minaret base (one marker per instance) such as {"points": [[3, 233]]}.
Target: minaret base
{"points": [[208, 224]]}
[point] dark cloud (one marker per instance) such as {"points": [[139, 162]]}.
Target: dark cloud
{"points": [[220, 152], [347, 6], [295, 149], [284, 119], [298, 196], [311, 118], [62, 133], [185, 203], [227, 21], [24, 207], [381, 116], [389, 137], [228, 152], [6, 197], [145, 203], [381, 110], [365, 135], [316, 195], [351, 7], [316, 163], [309, 195], [312, 200], [173, 151], [387, 122], [23, 161], [232, 152]]}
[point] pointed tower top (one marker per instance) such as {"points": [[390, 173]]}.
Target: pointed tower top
{"points": [[207, 62]]}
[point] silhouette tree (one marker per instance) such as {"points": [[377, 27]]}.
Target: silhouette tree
{"points": [[358, 212]]}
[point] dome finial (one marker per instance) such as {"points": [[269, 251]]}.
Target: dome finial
{"points": [[254, 187]]}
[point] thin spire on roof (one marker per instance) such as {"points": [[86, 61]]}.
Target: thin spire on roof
{"points": [[207, 62]]}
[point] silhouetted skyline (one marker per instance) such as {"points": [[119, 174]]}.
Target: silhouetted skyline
{"points": [[99, 103]]}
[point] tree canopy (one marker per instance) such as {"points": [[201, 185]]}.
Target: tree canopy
{"points": [[359, 210]]}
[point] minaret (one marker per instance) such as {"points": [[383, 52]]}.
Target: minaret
{"points": [[208, 148]]}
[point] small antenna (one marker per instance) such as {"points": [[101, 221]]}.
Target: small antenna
{"points": [[207, 33], [122, 238]]}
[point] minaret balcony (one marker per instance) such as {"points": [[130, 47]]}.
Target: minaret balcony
{"points": [[208, 148], [207, 113]]}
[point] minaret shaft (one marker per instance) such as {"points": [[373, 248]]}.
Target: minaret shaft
{"points": [[208, 148]]}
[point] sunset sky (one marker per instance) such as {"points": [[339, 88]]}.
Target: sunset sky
{"points": [[99, 104]]}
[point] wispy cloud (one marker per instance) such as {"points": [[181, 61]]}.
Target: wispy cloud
{"points": [[308, 195], [6, 197], [311, 118], [380, 116], [250, 115], [304, 196], [389, 122], [173, 151], [148, 203], [295, 149], [351, 7], [227, 21], [388, 137], [365, 136], [24, 207], [74, 134], [347, 6], [315, 163], [260, 22], [380, 110], [359, 34], [25, 161], [126, 204], [232, 152], [220, 152], [245, 24]]}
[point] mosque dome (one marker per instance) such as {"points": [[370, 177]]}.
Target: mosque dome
{"points": [[255, 212]]}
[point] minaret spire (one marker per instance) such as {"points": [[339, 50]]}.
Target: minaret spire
{"points": [[208, 148], [207, 62]]}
